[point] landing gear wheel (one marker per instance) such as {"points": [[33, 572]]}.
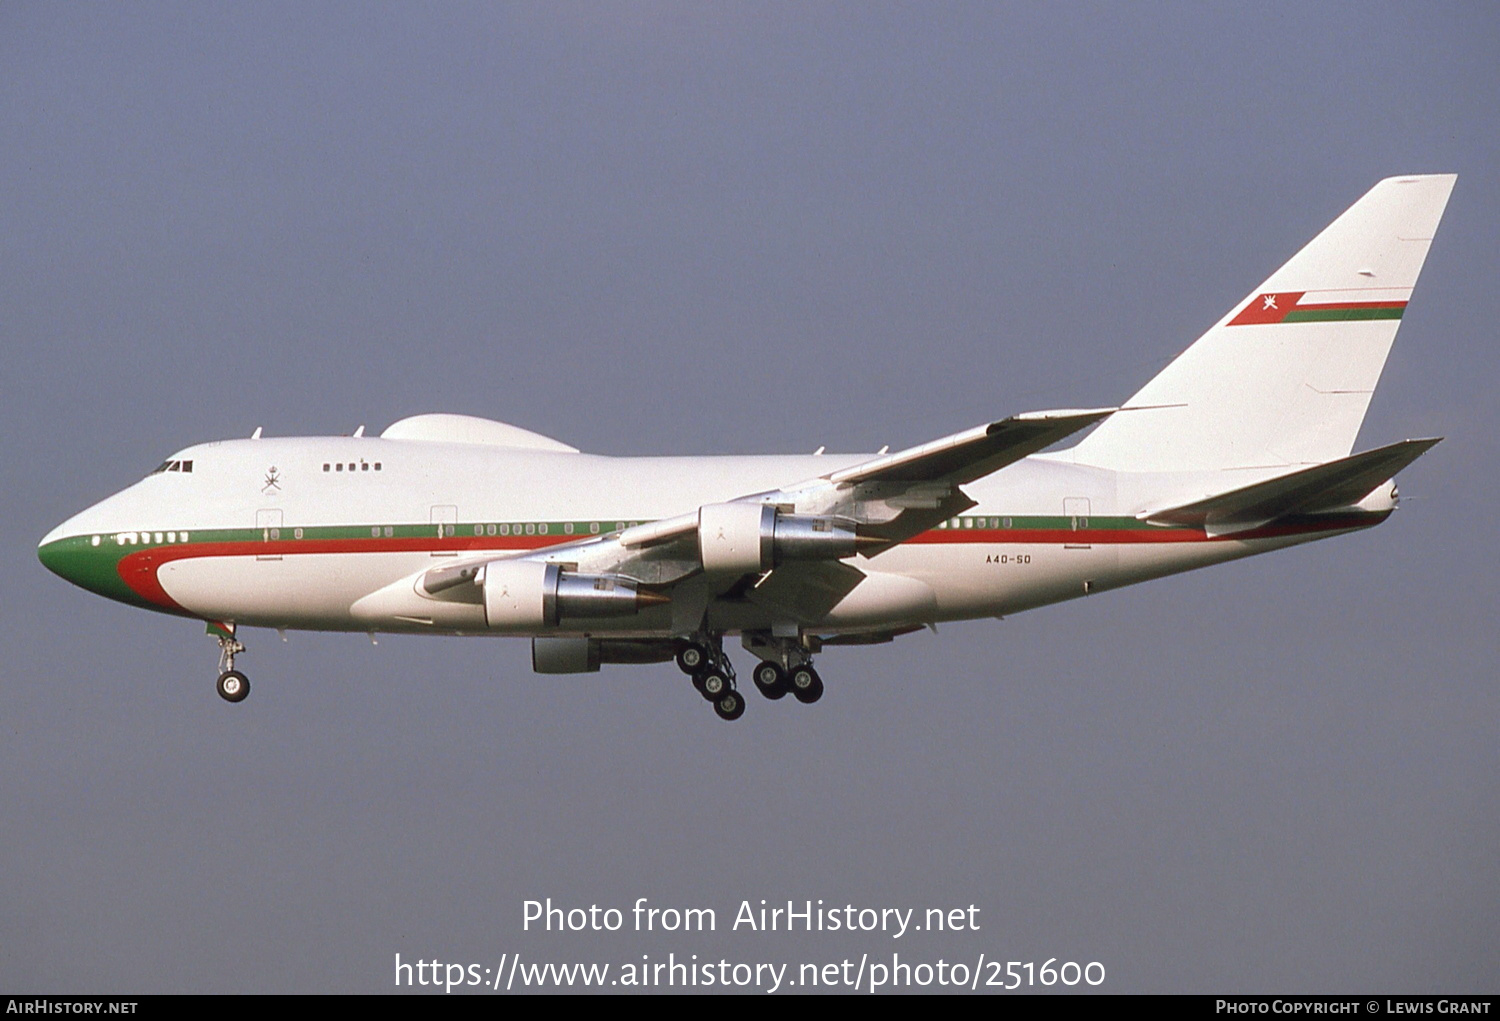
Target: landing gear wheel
{"points": [[233, 686], [692, 658], [771, 680], [807, 686], [730, 705], [714, 685]]}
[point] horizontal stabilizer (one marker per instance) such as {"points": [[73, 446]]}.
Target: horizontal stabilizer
{"points": [[975, 453], [1340, 483]]}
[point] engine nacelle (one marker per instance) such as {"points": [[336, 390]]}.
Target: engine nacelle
{"points": [[564, 656], [583, 655], [526, 594], [748, 538]]}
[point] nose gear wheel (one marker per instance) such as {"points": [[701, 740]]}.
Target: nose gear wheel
{"points": [[232, 685]]}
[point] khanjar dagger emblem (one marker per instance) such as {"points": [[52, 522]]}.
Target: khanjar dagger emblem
{"points": [[273, 481]]}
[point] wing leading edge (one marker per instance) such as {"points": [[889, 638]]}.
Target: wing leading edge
{"points": [[974, 453]]}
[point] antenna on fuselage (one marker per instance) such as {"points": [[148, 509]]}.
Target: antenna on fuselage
{"points": [[256, 434]]}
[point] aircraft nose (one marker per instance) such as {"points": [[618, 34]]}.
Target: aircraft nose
{"points": [[60, 553], [81, 557], [88, 548], [51, 537]]}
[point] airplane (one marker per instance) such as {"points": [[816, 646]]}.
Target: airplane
{"points": [[451, 524]]}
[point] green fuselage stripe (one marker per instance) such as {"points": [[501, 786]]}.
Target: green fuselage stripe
{"points": [[95, 562]]}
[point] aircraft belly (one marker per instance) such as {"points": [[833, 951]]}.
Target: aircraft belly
{"points": [[1143, 563], [884, 599], [972, 580], [310, 590], [989, 579]]}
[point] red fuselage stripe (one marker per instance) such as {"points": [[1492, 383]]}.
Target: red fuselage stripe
{"points": [[139, 569]]}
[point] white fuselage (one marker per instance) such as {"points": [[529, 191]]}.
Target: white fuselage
{"points": [[294, 533]]}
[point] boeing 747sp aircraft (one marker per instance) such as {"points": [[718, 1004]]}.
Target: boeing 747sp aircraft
{"points": [[447, 524]]}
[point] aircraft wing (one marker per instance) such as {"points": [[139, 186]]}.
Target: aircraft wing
{"points": [[897, 496], [975, 453], [892, 497], [787, 550]]}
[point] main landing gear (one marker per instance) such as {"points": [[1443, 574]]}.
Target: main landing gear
{"points": [[807, 686], [233, 686], [702, 658], [713, 675], [802, 681]]}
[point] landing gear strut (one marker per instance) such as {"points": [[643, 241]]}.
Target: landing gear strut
{"points": [[233, 686]]}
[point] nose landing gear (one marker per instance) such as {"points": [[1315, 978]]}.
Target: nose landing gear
{"points": [[232, 685]]}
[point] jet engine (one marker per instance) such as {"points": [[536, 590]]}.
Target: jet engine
{"points": [[748, 538], [526, 594]]}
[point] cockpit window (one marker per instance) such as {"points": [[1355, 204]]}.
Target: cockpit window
{"points": [[172, 466], [165, 465]]}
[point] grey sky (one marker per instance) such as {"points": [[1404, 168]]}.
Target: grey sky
{"points": [[648, 228]]}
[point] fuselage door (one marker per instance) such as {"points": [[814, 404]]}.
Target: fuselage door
{"points": [[444, 524], [269, 523], [1076, 510]]}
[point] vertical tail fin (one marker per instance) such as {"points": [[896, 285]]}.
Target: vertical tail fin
{"points": [[1285, 378]]}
